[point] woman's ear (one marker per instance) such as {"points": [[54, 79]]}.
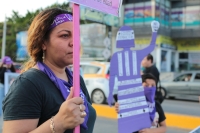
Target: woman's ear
{"points": [[44, 47]]}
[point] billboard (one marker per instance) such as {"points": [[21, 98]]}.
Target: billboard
{"points": [[192, 17], [138, 13], [21, 41], [177, 18], [100, 17]]}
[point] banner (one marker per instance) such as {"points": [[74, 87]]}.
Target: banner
{"points": [[188, 44], [21, 41], [107, 6], [194, 58]]}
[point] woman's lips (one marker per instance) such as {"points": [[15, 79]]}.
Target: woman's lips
{"points": [[70, 53]]}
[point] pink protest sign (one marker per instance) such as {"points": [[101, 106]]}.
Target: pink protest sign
{"points": [[125, 77], [76, 56], [106, 6]]}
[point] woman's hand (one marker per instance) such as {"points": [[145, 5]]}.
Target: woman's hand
{"points": [[71, 113], [146, 130], [117, 107], [161, 129]]}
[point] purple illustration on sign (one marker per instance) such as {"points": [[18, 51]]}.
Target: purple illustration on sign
{"points": [[125, 77], [107, 6]]}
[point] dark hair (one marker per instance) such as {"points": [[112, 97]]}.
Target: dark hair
{"points": [[38, 33], [150, 57], [148, 76], [12, 68]]}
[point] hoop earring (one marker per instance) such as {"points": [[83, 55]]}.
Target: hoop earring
{"points": [[43, 56]]}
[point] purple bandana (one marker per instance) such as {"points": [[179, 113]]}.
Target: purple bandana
{"points": [[150, 94], [64, 86], [59, 19]]}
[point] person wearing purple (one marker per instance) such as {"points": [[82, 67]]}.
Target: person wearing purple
{"points": [[6, 66], [41, 99], [156, 112]]}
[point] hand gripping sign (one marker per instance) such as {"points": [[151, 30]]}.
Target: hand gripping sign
{"points": [[125, 77]]}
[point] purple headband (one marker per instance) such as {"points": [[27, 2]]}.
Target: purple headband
{"points": [[59, 19]]}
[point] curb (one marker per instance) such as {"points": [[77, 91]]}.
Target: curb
{"points": [[172, 120]]}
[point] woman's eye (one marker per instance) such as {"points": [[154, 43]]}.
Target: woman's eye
{"points": [[65, 35]]}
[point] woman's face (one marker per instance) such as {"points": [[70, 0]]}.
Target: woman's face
{"points": [[59, 48]]}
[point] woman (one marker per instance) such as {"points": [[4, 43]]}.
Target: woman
{"points": [[6, 66], [157, 115], [41, 99]]}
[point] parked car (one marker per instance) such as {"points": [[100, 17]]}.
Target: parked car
{"points": [[186, 85], [96, 76]]}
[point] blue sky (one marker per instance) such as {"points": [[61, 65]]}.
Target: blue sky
{"points": [[22, 6]]}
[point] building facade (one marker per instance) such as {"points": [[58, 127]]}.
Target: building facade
{"points": [[178, 42]]}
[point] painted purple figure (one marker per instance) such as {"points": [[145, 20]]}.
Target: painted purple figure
{"points": [[125, 77]]}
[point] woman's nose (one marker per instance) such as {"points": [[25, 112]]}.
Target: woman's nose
{"points": [[71, 44]]}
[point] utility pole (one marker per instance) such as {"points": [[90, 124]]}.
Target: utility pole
{"points": [[3, 40]]}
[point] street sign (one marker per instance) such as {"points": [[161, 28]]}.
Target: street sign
{"points": [[106, 53], [107, 42]]}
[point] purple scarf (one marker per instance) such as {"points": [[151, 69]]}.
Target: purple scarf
{"points": [[150, 94], [64, 86]]}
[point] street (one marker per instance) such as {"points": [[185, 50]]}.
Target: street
{"points": [[182, 107], [179, 107], [107, 125]]}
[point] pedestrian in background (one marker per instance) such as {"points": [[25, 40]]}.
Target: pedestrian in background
{"points": [[41, 99], [6, 66], [148, 67]]}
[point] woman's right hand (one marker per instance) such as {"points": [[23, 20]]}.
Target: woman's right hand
{"points": [[71, 113], [117, 107]]}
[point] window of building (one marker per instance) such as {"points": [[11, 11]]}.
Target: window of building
{"points": [[173, 61], [164, 61], [183, 55]]}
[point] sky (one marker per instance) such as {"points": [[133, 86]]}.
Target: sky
{"points": [[22, 6]]}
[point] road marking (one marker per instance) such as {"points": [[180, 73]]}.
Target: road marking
{"points": [[172, 120]]}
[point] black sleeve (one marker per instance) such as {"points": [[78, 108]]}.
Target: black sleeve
{"points": [[147, 70], [23, 101], [155, 72], [160, 112], [84, 89], [2, 71]]}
